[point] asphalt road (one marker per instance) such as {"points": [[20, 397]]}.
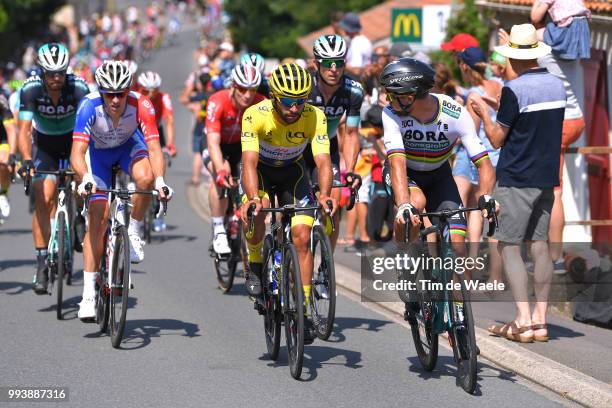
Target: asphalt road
{"points": [[188, 345]]}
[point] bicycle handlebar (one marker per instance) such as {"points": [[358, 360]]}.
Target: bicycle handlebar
{"points": [[447, 213], [353, 192], [27, 179]]}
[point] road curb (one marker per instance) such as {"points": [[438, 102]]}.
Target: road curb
{"points": [[560, 379]]}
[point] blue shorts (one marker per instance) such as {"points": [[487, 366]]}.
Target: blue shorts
{"points": [[464, 167], [101, 161]]}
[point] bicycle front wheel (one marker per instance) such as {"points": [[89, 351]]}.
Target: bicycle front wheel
{"points": [[102, 289], [272, 316], [464, 346], [119, 286], [293, 309], [422, 322], [323, 294], [147, 225], [61, 261]]}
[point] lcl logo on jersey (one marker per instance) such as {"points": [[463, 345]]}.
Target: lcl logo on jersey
{"points": [[296, 137]]}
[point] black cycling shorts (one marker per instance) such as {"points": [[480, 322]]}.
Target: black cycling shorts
{"points": [[290, 185], [49, 150], [231, 152], [440, 191], [335, 159]]}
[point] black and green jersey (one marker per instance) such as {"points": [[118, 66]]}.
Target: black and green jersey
{"points": [[347, 99], [50, 119]]}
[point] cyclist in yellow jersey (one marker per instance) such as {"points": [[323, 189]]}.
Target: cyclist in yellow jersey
{"points": [[275, 133]]}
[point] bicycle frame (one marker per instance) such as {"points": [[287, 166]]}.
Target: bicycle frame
{"points": [[63, 196], [118, 214]]}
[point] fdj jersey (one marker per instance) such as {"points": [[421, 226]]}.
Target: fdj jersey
{"points": [[93, 122], [427, 146], [347, 99], [51, 119]]}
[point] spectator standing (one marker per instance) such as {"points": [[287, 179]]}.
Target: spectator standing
{"points": [[360, 48], [528, 128], [569, 37]]}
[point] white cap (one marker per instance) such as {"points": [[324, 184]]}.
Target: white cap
{"points": [[226, 46]]}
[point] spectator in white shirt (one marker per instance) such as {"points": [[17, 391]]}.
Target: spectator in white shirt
{"points": [[360, 49]]}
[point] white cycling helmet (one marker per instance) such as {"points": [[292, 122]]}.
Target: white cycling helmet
{"points": [[330, 46], [53, 57], [246, 76], [113, 76], [132, 66], [254, 59], [149, 80]]}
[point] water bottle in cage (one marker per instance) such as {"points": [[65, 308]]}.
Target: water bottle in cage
{"points": [[234, 226], [275, 272]]}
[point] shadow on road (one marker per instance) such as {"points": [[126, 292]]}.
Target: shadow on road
{"points": [[350, 323], [316, 357], [238, 289], [70, 307], [15, 231], [446, 367], [155, 239], [138, 333], [16, 263], [15, 288]]}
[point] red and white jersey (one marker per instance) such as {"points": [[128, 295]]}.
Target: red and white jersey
{"points": [[94, 124], [224, 118], [163, 106]]}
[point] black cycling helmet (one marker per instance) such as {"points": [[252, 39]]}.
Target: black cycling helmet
{"points": [[407, 75]]}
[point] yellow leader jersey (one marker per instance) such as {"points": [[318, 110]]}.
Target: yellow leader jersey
{"points": [[280, 144]]}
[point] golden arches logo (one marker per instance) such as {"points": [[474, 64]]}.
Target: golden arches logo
{"points": [[404, 23]]}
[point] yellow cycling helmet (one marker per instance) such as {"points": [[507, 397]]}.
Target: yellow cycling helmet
{"points": [[290, 81]]}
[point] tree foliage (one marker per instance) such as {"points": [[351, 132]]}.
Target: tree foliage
{"points": [[23, 20], [272, 27], [466, 19]]}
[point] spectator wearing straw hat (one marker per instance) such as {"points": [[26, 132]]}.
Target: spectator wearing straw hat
{"points": [[528, 130]]}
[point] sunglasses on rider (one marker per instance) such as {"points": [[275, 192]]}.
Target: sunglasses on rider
{"points": [[290, 102], [111, 95], [392, 95], [330, 63], [51, 74], [242, 89]]}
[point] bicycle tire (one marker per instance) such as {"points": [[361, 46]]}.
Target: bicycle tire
{"points": [[102, 298], [421, 326], [70, 206], [293, 310], [120, 286], [323, 280], [464, 346], [146, 226], [61, 266], [272, 316], [225, 270], [244, 254]]}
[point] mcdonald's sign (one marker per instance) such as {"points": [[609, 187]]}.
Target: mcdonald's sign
{"points": [[407, 25]]}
